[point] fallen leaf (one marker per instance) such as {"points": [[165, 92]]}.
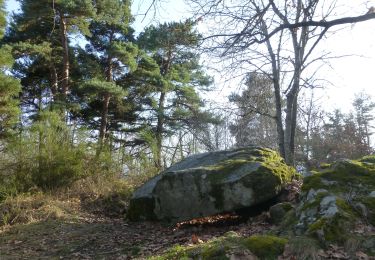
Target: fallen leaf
{"points": [[195, 239]]}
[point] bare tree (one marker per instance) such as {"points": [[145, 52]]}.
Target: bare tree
{"points": [[276, 38]]}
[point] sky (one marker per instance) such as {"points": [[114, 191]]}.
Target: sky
{"points": [[347, 76]]}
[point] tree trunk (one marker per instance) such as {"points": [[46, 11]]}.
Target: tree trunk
{"points": [[54, 82], [66, 64], [276, 85], [308, 128], [104, 119], [288, 128], [278, 103], [279, 118], [106, 99], [160, 129], [292, 96], [161, 118]]}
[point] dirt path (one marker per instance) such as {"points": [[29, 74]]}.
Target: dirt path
{"points": [[93, 237]]}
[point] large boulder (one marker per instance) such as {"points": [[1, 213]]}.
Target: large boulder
{"points": [[211, 183]]}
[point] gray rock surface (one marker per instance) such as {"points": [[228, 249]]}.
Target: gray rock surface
{"points": [[278, 212], [211, 183], [328, 207]]}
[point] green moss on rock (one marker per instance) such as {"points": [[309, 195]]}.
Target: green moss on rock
{"points": [[350, 183], [334, 200], [341, 174], [370, 205], [329, 230], [325, 165], [313, 182], [368, 159], [304, 247], [265, 246], [278, 212]]}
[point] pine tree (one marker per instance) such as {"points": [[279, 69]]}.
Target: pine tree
{"points": [[9, 87], [175, 102], [40, 35], [109, 55]]}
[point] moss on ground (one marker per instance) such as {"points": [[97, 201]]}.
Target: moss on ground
{"points": [[313, 182], [304, 247], [369, 202], [263, 246], [335, 229]]}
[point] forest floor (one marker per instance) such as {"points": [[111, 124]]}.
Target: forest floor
{"points": [[86, 235], [43, 226]]}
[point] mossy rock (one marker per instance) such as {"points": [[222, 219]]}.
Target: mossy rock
{"points": [[212, 183], [266, 246], [369, 202], [335, 200], [279, 211], [257, 246]]}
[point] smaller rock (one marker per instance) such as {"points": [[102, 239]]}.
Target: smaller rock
{"points": [[372, 194], [309, 215], [312, 194], [278, 211], [361, 208], [328, 207]]}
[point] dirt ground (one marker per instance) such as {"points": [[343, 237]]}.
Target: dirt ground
{"points": [[90, 236]]}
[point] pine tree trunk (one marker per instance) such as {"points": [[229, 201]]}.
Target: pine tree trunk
{"points": [[160, 129], [105, 107], [161, 117], [54, 82], [66, 64], [104, 119]]}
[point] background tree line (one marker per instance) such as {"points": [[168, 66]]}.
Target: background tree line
{"points": [[82, 94], [321, 136]]}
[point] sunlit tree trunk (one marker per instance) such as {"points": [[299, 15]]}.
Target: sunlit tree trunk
{"points": [[66, 63]]}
